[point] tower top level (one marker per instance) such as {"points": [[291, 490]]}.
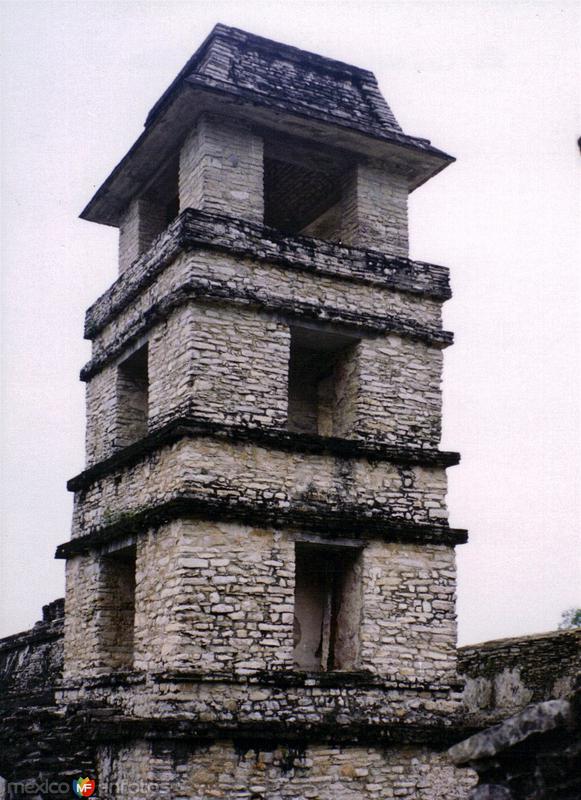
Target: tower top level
{"points": [[276, 87]]}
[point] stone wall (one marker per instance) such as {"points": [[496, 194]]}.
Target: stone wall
{"points": [[31, 661], [322, 772], [219, 598], [221, 363], [231, 364], [38, 743], [211, 469], [374, 208], [142, 222], [504, 676], [299, 256]]}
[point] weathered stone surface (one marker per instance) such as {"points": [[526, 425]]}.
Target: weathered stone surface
{"points": [[504, 676], [207, 468], [39, 745], [537, 718], [298, 256], [275, 86], [535, 754], [285, 772]]}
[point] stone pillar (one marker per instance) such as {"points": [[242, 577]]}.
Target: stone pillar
{"points": [[143, 220], [221, 169], [375, 209]]}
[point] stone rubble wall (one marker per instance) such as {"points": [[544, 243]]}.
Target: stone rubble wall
{"points": [[505, 675], [37, 741], [319, 772], [31, 661]]}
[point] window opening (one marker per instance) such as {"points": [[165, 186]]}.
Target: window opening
{"points": [[117, 608], [132, 397], [322, 382]]}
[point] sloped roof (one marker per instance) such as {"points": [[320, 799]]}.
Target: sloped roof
{"points": [[272, 84], [239, 62]]}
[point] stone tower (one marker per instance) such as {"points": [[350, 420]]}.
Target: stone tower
{"points": [[260, 579]]}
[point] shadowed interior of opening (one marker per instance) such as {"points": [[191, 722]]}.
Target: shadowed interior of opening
{"points": [[117, 607], [132, 397], [327, 607], [303, 188], [322, 382]]}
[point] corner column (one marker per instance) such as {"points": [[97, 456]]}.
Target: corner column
{"points": [[375, 209], [221, 169]]}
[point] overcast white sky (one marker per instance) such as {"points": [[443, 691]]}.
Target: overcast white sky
{"points": [[494, 84]]}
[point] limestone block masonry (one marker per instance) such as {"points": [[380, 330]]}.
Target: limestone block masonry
{"points": [[260, 581]]}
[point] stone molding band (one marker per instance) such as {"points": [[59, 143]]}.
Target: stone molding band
{"points": [[350, 521], [199, 290], [263, 735], [265, 678], [273, 438], [199, 229]]}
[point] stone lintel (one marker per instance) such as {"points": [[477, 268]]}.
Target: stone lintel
{"points": [[195, 229]]}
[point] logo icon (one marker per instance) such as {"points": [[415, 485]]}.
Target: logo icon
{"points": [[84, 787]]}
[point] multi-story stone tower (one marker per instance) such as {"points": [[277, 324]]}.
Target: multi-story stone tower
{"points": [[260, 580]]}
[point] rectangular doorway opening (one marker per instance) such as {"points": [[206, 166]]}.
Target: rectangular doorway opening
{"points": [[117, 608], [327, 607]]}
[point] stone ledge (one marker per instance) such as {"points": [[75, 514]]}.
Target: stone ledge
{"points": [[274, 438], [200, 291], [264, 735], [321, 519], [272, 678], [195, 229]]}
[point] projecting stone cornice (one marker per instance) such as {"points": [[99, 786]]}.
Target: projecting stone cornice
{"points": [[267, 736], [277, 678], [275, 438], [201, 292], [326, 521], [195, 229], [271, 477]]}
